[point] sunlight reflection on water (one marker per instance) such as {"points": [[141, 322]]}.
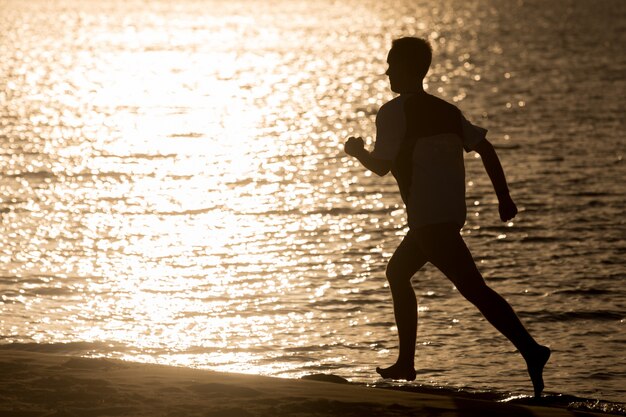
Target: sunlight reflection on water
{"points": [[174, 187]]}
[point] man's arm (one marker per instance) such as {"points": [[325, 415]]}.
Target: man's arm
{"points": [[356, 147], [490, 159]]}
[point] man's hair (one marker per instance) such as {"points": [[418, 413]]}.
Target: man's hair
{"points": [[415, 53]]}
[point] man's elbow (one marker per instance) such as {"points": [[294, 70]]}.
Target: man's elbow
{"points": [[381, 172], [484, 148], [381, 167]]}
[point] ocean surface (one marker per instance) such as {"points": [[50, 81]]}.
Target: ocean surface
{"points": [[173, 186]]}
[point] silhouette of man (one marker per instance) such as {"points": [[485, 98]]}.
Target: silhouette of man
{"points": [[420, 138]]}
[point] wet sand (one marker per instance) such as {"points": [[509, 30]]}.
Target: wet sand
{"points": [[37, 384]]}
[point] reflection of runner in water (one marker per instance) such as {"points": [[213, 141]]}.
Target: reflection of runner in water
{"points": [[420, 139]]}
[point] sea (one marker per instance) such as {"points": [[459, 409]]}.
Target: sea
{"points": [[173, 187]]}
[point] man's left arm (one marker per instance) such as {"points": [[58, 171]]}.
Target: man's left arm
{"points": [[506, 206]]}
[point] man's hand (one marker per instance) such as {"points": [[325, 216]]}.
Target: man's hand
{"points": [[507, 207], [354, 146]]}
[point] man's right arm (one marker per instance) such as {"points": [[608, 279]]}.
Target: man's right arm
{"points": [[356, 147]]}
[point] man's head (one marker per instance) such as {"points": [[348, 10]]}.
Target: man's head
{"points": [[409, 60]]}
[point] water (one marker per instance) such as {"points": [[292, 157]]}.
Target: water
{"points": [[174, 190]]}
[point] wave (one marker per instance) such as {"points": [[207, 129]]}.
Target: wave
{"points": [[572, 403], [583, 291], [77, 348], [42, 174], [565, 316], [189, 135], [189, 212], [564, 401]]}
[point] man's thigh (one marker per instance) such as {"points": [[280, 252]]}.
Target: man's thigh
{"points": [[444, 247]]}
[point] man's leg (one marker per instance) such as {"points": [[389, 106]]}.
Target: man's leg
{"points": [[445, 248], [404, 263]]}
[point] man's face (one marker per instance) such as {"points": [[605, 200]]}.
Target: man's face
{"points": [[400, 78]]}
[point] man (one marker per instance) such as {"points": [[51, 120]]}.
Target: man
{"points": [[420, 139]]}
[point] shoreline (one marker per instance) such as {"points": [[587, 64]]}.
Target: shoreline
{"points": [[41, 384]]}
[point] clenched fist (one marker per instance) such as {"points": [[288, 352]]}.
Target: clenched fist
{"points": [[354, 146]]}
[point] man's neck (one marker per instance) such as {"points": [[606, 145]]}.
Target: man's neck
{"points": [[413, 91]]}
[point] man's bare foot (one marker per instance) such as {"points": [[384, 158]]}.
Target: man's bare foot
{"points": [[397, 371], [535, 363]]}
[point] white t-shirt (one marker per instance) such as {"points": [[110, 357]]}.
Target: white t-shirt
{"points": [[425, 137]]}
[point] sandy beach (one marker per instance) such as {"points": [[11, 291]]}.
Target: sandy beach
{"points": [[40, 384]]}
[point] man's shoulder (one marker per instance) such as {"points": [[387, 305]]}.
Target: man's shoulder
{"points": [[428, 115], [392, 111], [393, 105], [430, 107]]}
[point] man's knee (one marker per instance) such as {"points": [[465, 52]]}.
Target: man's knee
{"points": [[476, 292], [396, 274]]}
